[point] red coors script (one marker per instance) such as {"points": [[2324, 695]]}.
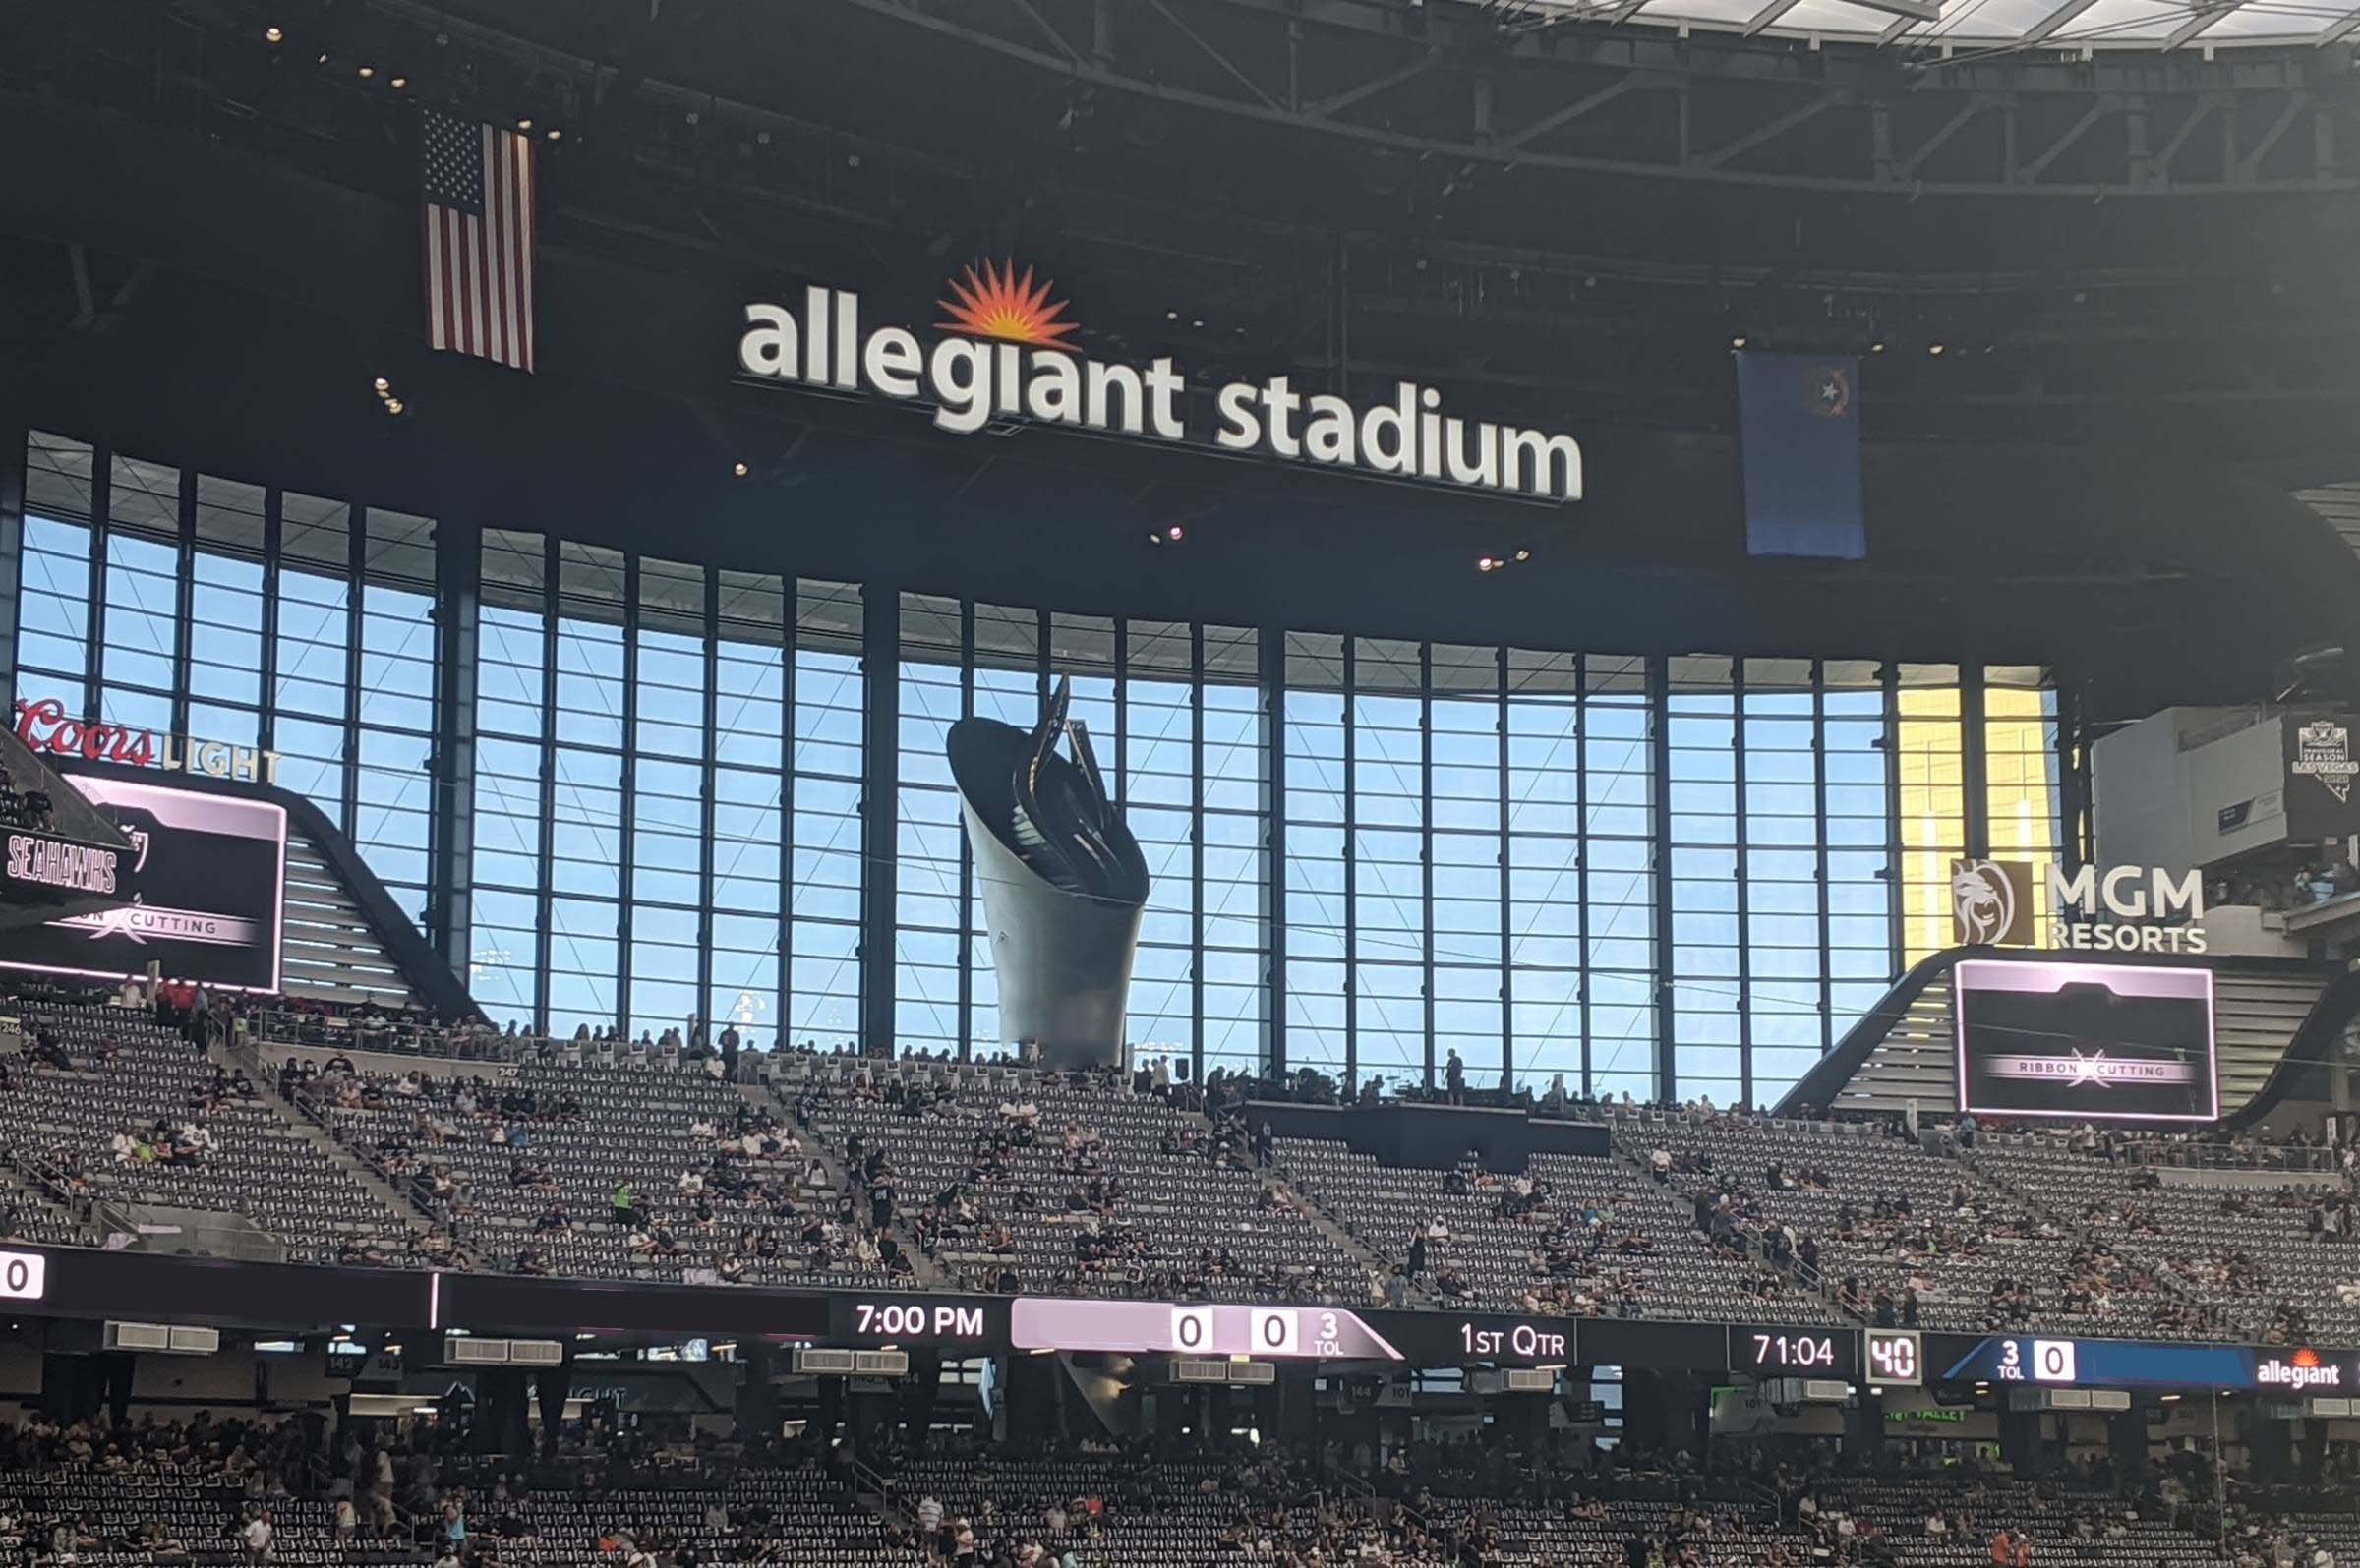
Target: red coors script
{"points": [[43, 726]]}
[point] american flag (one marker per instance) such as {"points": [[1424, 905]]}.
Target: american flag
{"points": [[476, 184]]}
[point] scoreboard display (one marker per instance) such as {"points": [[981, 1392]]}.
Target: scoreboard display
{"points": [[201, 892], [1894, 1359], [2086, 1041], [1288, 1333], [2041, 1360], [1765, 1352], [84, 1283]]}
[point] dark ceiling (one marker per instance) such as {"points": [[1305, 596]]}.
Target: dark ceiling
{"points": [[214, 252]]}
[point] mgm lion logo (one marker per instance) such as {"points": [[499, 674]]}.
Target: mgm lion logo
{"points": [[1991, 902]]}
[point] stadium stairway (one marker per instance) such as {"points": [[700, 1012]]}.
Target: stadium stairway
{"points": [[40, 1217], [2038, 1203], [404, 1209], [1298, 1198], [1320, 1220], [927, 1271], [328, 947], [1815, 1287]]}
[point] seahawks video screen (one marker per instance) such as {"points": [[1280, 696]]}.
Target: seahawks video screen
{"points": [[201, 894], [2097, 1042]]}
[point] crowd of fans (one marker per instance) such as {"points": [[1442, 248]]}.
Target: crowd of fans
{"points": [[31, 809], [611, 1491], [1957, 1238]]}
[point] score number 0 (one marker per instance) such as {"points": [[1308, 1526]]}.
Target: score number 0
{"points": [[24, 1276], [2054, 1361], [1269, 1331]]}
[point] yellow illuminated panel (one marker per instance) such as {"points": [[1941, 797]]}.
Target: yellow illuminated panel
{"points": [[2020, 768], [1934, 813]]}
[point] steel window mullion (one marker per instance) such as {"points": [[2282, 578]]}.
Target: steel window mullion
{"points": [[967, 849], [1269, 661], [544, 895], [791, 614], [1659, 732], [1738, 838], [709, 814], [1827, 939], [1581, 851], [1351, 875], [451, 760], [1047, 677], [13, 438], [184, 598], [2073, 791], [1196, 847], [356, 565], [1122, 712], [1975, 776], [1426, 842], [626, 839], [93, 670], [274, 548], [1896, 863], [880, 814], [1508, 967]]}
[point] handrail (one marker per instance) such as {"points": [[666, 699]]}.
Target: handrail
{"points": [[49, 1182], [400, 1184], [1357, 1485], [868, 1481], [1764, 1493]]}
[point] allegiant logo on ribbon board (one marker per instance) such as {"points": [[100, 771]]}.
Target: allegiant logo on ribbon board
{"points": [[2299, 1371], [1006, 360]]}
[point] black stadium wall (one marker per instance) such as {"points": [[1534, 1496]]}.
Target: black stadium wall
{"points": [[250, 306], [1434, 1137]]}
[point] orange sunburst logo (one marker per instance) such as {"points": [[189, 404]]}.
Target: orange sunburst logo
{"points": [[1000, 304], [2304, 1357]]}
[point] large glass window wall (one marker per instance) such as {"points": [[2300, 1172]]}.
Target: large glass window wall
{"points": [[1367, 854]]}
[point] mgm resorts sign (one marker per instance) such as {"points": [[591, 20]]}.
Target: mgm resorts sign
{"points": [[2114, 909], [1005, 362]]}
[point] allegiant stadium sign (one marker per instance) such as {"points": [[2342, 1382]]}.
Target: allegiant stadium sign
{"points": [[1004, 360]]}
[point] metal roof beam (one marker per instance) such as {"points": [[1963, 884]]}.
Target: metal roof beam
{"points": [[1773, 128], [2203, 110], [1235, 72], [1949, 128], [1768, 13], [1915, 10], [2072, 132], [2341, 29], [1576, 110], [2041, 31], [1373, 85], [1896, 29], [2205, 18], [2248, 167]]}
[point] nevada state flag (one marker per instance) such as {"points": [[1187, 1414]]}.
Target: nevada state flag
{"points": [[1799, 423]]}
